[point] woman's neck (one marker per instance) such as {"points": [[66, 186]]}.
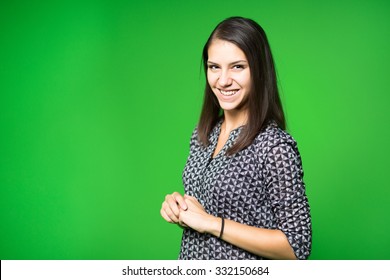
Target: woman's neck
{"points": [[234, 119]]}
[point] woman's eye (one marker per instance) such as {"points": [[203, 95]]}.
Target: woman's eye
{"points": [[213, 67], [238, 66]]}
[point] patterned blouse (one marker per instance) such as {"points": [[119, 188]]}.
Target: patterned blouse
{"points": [[260, 186]]}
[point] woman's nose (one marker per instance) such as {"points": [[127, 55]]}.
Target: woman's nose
{"points": [[225, 79]]}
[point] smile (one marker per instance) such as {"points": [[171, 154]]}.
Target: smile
{"points": [[228, 92]]}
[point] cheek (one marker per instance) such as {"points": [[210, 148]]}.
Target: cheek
{"points": [[245, 81], [249, 80], [211, 78], [248, 84]]}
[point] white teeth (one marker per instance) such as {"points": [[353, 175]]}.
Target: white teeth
{"points": [[228, 93]]}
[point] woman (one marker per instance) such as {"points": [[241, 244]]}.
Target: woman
{"points": [[245, 195]]}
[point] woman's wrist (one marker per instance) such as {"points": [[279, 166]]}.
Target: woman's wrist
{"points": [[214, 226]]}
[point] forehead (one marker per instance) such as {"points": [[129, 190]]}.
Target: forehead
{"points": [[224, 51]]}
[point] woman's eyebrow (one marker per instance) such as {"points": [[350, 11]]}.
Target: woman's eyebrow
{"points": [[231, 63], [239, 61]]}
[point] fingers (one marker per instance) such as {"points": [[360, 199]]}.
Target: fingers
{"points": [[192, 201], [188, 197], [165, 216], [170, 212], [180, 200], [170, 209]]}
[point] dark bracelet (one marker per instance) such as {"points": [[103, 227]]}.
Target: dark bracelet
{"points": [[222, 227]]}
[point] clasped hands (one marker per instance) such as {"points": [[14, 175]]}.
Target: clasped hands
{"points": [[186, 211]]}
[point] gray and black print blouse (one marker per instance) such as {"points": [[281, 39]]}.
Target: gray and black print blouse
{"points": [[260, 186]]}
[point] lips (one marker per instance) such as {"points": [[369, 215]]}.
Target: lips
{"points": [[228, 92]]}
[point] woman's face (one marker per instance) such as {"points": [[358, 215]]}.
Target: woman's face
{"points": [[228, 74]]}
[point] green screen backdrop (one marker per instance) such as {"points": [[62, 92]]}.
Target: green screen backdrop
{"points": [[99, 98]]}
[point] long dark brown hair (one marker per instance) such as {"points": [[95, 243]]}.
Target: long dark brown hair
{"points": [[263, 101]]}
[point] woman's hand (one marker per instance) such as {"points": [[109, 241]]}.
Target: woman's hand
{"points": [[196, 217], [171, 207], [186, 211]]}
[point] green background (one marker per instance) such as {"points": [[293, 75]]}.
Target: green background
{"points": [[99, 98]]}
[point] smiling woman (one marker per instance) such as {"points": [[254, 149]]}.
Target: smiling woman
{"points": [[245, 196], [228, 77]]}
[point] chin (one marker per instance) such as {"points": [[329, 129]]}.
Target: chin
{"points": [[230, 106]]}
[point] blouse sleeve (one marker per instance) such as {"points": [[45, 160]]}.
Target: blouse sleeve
{"points": [[284, 181]]}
